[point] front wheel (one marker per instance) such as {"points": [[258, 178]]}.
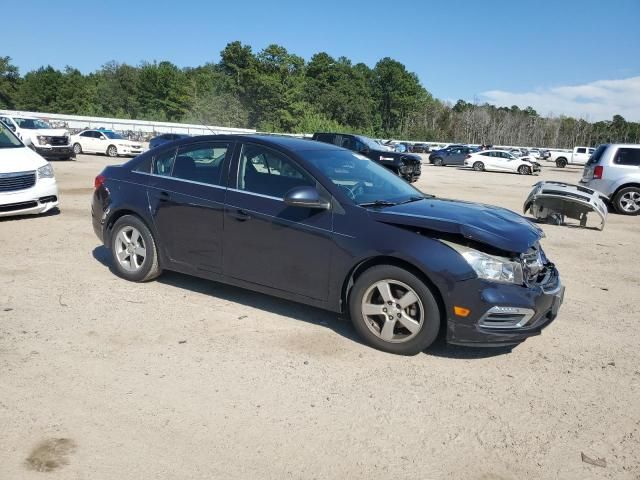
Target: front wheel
{"points": [[478, 166], [627, 201], [524, 170], [394, 311], [77, 148], [438, 162], [133, 250], [112, 151]]}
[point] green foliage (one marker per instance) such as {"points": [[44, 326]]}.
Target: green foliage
{"points": [[274, 90]]}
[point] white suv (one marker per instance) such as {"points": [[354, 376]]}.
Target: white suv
{"points": [[38, 134]]}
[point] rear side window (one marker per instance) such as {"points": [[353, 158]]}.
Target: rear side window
{"points": [[163, 162], [201, 162], [595, 156], [324, 137], [627, 156]]}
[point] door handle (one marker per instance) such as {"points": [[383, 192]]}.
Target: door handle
{"points": [[241, 215], [164, 196]]}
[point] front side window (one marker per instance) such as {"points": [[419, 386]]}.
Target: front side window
{"points": [[267, 172], [200, 163], [581, 150], [627, 156], [163, 162]]}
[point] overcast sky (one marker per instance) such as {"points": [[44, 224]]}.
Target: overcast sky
{"points": [[573, 57]]}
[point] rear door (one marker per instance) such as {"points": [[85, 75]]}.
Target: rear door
{"points": [[186, 196], [266, 242]]}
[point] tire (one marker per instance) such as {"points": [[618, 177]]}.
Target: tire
{"points": [[77, 148], [478, 166], [438, 162], [112, 151], [134, 257], [423, 314], [627, 201], [524, 170], [561, 162]]}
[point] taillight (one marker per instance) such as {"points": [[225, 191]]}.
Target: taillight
{"points": [[597, 172], [97, 183], [467, 156]]}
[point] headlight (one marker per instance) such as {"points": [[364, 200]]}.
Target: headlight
{"points": [[490, 267], [46, 171], [43, 140]]}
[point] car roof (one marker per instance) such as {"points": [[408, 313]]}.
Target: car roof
{"points": [[290, 143]]}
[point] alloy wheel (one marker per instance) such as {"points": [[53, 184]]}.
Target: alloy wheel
{"points": [[630, 201], [130, 248], [392, 311], [112, 151]]}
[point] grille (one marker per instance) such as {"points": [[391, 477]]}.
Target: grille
{"points": [[58, 140], [10, 182]]}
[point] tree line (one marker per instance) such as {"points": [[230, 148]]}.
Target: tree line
{"points": [[274, 90]]}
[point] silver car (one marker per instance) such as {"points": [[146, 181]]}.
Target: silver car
{"points": [[614, 170]]}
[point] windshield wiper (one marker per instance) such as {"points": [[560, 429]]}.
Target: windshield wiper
{"points": [[378, 203], [412, 199]]}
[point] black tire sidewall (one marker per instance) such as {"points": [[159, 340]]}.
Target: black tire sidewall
{"points": [[150, 259], [618, 196], [431, 327]]}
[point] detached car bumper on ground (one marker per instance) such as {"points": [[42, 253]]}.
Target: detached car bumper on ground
{"points": [[325, 226]]}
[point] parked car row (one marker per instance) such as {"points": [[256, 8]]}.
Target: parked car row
{"points": [[489, 160]]}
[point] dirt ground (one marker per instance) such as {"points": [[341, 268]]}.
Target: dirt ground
{"points": [[184, 378]]}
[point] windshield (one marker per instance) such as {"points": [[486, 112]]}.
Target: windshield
{"points": [[363, 180], [32, 123], [369, 142], [7, 138], [113, 135]]}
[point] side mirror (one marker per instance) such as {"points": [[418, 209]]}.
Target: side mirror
{"points": [[306, 197], [102, 137]]}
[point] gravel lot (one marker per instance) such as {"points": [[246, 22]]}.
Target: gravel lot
{"points": [[185, 378]]}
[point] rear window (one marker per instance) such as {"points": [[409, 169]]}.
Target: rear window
{"points": [[627, 156], [595, 156]]}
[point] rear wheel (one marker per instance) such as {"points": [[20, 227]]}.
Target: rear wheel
{"points": [[438, 162], [133, 250], [394, 311], [112, 151], [478, 166], [524, 170], [627, 201], [561, 162]]}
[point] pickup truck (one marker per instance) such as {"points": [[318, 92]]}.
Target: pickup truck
{"points": [[577, 156], [405, 165], [39, 135]]}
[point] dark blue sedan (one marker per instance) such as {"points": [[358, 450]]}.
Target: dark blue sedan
{"points": [[326, 226]]}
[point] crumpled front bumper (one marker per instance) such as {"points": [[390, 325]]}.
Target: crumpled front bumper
{"points": [[538, 306]]}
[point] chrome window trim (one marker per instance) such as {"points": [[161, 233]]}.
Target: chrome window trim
{"points": [[169, 177]]}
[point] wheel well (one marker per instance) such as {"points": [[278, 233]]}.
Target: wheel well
{"points": [[396, 262], [115, 217], [626, 185], [561, 158]]}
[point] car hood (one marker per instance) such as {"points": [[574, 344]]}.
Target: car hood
{"points": [[19, 160], [48, 132], [494, 226]]}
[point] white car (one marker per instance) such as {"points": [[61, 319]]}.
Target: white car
{"points": [[27, 182], [38, 134], [105, 141], [501, 161]]}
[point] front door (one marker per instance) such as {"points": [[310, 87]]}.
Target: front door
{"points": [[186, 196], [266, 242]]}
